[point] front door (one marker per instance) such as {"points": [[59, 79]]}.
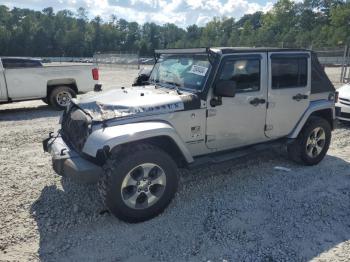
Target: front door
{"points": [[239, 120], [289, 91]]}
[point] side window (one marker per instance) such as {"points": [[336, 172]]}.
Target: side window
{"points": [[32, 63], [9, 63], [245, 72], [289, 72]]}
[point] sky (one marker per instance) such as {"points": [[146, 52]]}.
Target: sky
{"points": [[179, 12]]}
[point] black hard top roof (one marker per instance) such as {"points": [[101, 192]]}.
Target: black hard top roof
{"points": [[227, 50]]}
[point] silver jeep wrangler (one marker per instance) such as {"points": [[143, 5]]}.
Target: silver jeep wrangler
{"points": [[196, 106]]}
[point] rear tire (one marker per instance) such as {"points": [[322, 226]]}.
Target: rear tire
{"points": [[312, 143], [60, 97], [138, 183]]}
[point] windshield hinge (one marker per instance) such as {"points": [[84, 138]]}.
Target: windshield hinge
{"points": [[211, 112]]}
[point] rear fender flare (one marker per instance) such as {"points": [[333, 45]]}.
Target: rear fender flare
{"points": [[313, 108]]}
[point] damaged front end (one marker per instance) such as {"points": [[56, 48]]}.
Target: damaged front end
{"points": [[91, 113], [103, 112], [136, 102]]}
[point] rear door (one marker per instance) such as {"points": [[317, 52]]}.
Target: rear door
{"points": [[289, 91]]}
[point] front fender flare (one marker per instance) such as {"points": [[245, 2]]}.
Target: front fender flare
{"points": [[122, 134]]}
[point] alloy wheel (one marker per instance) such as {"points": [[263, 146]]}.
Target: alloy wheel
{"points": [[315, 142], [143, 186]]}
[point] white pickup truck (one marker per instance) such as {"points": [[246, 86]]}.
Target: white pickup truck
{"points": [[27, 79]]}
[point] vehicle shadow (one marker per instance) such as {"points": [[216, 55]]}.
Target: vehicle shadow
{"points": [[27, 113], [244, 209]]}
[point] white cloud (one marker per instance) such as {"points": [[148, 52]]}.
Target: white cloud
{"points": [[180, 12], [202, 20]]}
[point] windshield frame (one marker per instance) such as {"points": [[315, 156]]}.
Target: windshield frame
{"points": [[186, 55]]}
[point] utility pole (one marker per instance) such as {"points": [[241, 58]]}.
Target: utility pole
{"points": [[344, 64]]}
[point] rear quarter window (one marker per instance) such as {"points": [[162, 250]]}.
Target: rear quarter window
{"points": [[319, 80]]}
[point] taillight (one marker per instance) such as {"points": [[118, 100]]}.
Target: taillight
{"points": [[95, 74]]}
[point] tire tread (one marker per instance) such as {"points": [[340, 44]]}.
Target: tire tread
{"points": [[112, 164], [295, 149]]}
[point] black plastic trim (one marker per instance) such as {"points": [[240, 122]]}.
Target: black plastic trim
{"points": [[294, 55], [344, 115], [200, 50], [234, 50], [239, 57], [319, 80]]}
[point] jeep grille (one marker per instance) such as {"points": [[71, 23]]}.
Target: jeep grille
{"points": [[75, 127]]}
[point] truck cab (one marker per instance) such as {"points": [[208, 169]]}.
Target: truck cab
{"points": [[196, 106], [7, 63]]}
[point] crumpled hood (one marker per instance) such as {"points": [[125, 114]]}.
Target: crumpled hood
{"points": [[134, 101], [344, 91]]}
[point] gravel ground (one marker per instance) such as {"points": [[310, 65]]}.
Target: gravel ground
{"points": [[242, 210]]}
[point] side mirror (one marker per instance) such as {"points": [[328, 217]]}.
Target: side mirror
{"points": [[225, 88]]}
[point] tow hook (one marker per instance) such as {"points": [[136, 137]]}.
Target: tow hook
{"points": [[62, 151]]}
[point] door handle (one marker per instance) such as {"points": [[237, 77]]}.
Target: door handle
{"points": [[256, 101], [299, 97]]}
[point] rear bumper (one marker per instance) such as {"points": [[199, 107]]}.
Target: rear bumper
{"points": [[68, 163]]}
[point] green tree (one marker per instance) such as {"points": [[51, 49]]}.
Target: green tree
{"points": [[314, 23]]}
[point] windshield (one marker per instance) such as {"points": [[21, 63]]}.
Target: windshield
{"points": [[183, 71]]}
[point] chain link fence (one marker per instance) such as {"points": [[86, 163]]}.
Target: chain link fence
{"points": [[120, 59], [336, 60]]}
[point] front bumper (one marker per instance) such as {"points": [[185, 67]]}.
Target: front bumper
{"points": [[342, 111], [68, 163]]}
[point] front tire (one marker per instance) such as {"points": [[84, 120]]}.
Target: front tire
{"points": [[312, 143], [139, 183]]}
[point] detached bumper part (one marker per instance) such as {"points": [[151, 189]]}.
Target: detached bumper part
{"points": [[68, 163]]}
